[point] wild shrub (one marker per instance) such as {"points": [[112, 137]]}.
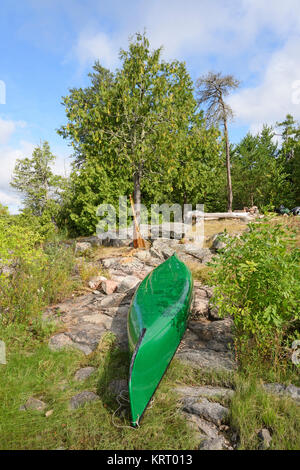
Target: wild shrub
{"points": [[31, 275], [257, 281]]}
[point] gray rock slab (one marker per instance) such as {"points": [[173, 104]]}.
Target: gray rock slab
{"points": [[201, 425], [83, 373], [280, 389], [205, 391], [60, 341], [211, 411], [213, 443], [82, 398], [117, 386], [207, 359], [128, 283], [214, 335]]}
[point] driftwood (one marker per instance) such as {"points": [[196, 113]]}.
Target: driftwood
{"points": [[244, 216], [227, 215]]}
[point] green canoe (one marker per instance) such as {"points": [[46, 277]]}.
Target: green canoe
{"points": [[157, 320]]}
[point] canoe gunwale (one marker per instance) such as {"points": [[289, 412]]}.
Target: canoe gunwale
{"points": [[136, 351]]}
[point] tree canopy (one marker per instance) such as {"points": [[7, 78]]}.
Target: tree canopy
{"points": [[137, 129]]}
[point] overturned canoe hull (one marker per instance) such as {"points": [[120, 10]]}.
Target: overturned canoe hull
{"points": [[157, 320]]}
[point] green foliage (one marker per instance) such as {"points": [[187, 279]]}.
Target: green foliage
{"points": [[40, 188], [258, 176], [257, 283], [3, 210], [31, 276], [290, 156], [137, 130]]}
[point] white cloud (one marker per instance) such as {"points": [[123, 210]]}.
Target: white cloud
{"points": [[7, 128], [12, 201], [8, 157], [191, 28], [277, 93], [62, 164], [97, 46]]}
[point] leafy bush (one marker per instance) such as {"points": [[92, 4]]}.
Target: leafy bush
{"points": [[257, 282], [31, 276]]}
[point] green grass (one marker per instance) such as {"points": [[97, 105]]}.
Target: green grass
{"points": [[253, 409], [200, 272], [33, 370], [36, 284]]}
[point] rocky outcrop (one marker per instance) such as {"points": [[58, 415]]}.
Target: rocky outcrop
{"points": [[206, 417], [208, 345], [290, 391]]}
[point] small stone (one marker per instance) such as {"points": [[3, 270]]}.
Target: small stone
{"points": [[117, 386], [167, 252], [83, 246], [83, 373], [212, 443], [49, 413], [95, 281], [22, 408], [86, 336], [35, 404], [82, 398], [109, 286], [213, 313], [279, 389], [265, 438], [217, 244]]}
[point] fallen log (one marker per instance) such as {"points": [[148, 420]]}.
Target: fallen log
{"points": [[244, 216]]}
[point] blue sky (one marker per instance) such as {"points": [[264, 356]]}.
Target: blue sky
{"points": [[48, 46]]}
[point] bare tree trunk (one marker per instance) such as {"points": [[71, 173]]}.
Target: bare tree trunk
{"points": [[229, 185], [137, 194]]}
